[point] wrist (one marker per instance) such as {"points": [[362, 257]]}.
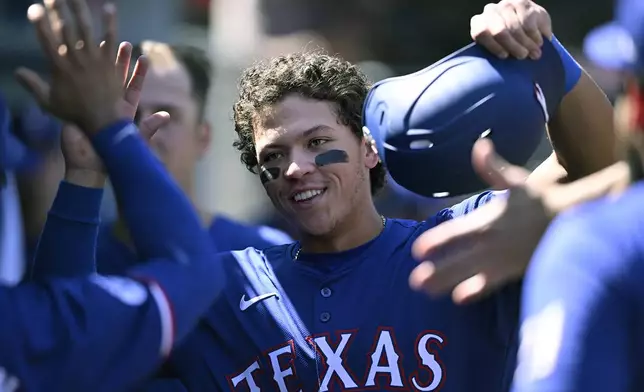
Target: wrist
{"points": [[93, 126], [86, 178], [572, 69]]}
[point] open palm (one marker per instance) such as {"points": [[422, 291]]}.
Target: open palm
{"points": [[76, 146]]}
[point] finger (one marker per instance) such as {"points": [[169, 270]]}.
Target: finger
{"points": [[135, 85], [68, 35], [438, 278], [48, 42], [531, 30], [544, 22], [123, 60], [598, 184], [54, 20], [495, 170], [482, 36], [439, 240], [150, 125], [83, 21], [471, 289], [518, 26], [486, 282], [109, 38], [518, 44], [36, 86]]}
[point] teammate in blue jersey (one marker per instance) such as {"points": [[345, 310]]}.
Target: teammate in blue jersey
{"points": [[584, 281], [97, 332], [582, 309], [335, 311], [177, 81]]}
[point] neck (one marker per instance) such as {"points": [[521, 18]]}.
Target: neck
{"points": [[360, 227]]}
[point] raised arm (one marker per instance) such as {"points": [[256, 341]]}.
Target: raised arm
{"points": [[67, 244], [581, 131], [181, 274]]}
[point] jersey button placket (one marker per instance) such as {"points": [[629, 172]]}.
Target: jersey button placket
{"points": [[324, 315]]}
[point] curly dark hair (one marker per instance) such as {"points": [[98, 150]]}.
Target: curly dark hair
{"points": [[313, 75]]}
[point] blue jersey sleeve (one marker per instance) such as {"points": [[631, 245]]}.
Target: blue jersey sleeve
{"points": [[71, 322], [464, 207], [161, 219], [67, 244], [102, 332], [575, 322], [87, 334]]}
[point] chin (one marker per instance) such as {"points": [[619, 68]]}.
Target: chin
{"points": [[314, 227]]}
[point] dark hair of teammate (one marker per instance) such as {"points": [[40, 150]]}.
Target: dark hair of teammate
{"points": [[196, 63]]}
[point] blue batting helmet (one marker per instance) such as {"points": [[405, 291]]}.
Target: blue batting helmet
{"points": [[426, 123]]}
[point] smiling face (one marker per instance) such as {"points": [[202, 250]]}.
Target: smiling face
{"points": [[314, 169]]}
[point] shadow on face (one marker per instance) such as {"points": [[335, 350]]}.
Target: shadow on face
{"points": [[185, 139]]}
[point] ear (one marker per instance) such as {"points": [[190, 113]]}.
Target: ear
{"points": [[204, 137], [369, 148]]}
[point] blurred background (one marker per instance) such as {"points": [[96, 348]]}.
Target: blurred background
{"points": [[386, 37]]}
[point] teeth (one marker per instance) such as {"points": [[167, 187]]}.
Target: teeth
{"points": [[306, 195]]}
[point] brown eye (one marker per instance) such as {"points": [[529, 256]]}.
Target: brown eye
{"points": [[317, 142], [272, 156]]}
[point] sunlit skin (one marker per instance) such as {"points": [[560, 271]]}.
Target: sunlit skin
{"points": [[289, 136]]}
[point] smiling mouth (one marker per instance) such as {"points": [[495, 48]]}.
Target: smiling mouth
{"points": [[307, 196]]}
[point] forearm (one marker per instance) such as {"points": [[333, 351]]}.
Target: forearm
{"points": [[67, 244], [582, 131]]}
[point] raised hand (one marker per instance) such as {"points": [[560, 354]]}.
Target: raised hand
{"points": [[77, 149], [477, 253], [83, 165], [85, 88], [512, 28]]}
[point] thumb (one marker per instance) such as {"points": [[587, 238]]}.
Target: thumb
{"points": [[493, 169], [37, 87], [151, 124]]}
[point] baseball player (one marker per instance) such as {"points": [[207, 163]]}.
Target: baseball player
{"points": [[98, 332], [334, 311], [583, 298]]}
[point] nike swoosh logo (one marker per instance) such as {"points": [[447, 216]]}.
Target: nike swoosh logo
{"points": [[245, 304]]}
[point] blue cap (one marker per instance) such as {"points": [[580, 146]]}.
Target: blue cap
{"points": [[426, 123], [619, 44]]}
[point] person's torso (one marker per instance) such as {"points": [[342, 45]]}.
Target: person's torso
{"points": [[350, 322]]}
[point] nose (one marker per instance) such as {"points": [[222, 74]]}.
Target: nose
{"points": [[299, 166]]}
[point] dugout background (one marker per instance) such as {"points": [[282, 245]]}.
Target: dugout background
{"points": [[388, 37]]}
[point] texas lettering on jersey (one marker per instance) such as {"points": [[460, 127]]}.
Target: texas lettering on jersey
{"points": [[384, 364]]}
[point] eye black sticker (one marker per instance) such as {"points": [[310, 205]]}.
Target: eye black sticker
{"points": [[269, 174], [330, 157]]}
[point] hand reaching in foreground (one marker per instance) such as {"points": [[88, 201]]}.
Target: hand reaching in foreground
{"points": [[492, 246], [84, 63]]}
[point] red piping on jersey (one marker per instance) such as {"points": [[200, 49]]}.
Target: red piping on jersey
{"points": [[636, 96]]}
